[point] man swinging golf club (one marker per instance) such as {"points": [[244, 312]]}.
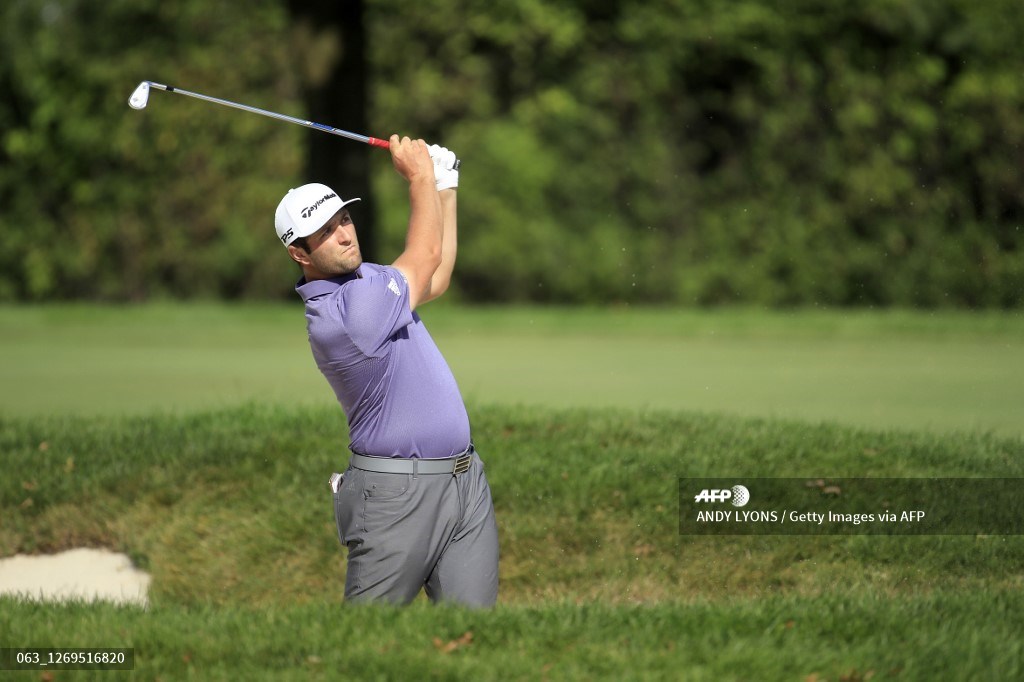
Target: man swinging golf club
{"points": [[413, 508]]}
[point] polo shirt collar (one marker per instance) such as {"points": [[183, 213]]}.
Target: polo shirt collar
{"points": [[322, 287]]}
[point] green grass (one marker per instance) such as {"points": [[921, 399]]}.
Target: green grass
{"points": [[940, 372], [230, 513], [939, 636], [198, 439]]}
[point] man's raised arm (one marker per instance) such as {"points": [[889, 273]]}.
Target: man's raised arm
{"points": [[447, 174], [422, 255]]}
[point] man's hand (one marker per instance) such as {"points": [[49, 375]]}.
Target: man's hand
{"points": [[445, 170], [411, 159]]}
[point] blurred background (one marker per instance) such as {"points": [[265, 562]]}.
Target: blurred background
{"points": [[684, 152]]}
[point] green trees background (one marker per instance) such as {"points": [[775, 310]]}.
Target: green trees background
{"points": [[691, 152]]}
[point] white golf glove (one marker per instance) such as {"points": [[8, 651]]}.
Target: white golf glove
{"points": [[446, 169]]}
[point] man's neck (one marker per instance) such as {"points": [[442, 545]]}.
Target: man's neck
{"points": [[312, 274]]}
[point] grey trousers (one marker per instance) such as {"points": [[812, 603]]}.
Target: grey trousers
{"points": [[405, 532]]}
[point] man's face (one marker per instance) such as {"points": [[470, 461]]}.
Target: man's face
{"points": [[334, 248]]}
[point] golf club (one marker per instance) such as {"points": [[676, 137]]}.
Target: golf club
{"points": [[140, 98]]}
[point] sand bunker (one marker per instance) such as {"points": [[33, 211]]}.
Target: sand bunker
{"points": [[76, 574]]}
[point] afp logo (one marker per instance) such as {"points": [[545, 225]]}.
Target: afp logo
{"points": [[738, 495]]}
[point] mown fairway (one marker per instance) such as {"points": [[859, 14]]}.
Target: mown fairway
{"points": [[938, 372], [227, 506]]}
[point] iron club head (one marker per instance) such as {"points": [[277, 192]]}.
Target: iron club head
{"points": [[140, 97]]}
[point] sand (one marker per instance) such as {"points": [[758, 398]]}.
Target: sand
{"points": [[88, 574]]}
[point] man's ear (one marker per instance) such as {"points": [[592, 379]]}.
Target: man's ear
{"points": [[298, 255]]}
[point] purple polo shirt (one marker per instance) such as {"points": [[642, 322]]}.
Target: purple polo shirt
{"points": [[394, 385]]}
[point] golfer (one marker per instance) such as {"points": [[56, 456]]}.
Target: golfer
{"points": [[413, 507]]}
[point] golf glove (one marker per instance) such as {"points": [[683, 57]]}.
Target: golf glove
{"points": [[445, 167]]}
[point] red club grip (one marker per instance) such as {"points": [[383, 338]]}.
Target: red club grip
{"points": [[377, 142]]}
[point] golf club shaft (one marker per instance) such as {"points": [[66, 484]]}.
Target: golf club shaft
{"points": [[376, 142]]}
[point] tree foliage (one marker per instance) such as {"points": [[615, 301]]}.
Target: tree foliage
{"points": [[686, 151], [102, 201]]}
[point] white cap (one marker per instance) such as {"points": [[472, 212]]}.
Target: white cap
{"points": [[306, 209]]}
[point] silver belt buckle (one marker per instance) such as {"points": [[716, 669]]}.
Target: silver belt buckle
{"points": [[462, 464]]}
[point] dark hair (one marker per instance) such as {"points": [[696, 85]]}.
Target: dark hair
{"points": [[301, 243]]}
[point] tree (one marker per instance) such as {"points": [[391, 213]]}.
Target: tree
{"points": [[330, 44]]}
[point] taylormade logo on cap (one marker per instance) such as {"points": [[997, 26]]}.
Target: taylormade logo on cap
{"points": [[306, 209], [306, 212]]}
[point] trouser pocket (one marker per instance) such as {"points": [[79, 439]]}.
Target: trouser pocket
{"points": [[343, 506], [337, 517]]}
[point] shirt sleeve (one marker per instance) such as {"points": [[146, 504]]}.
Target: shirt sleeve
{"points": [[376, 308]]}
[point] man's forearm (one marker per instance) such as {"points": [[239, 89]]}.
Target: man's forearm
{"points": [[425, 219], [422, 254], [449, 244]]}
